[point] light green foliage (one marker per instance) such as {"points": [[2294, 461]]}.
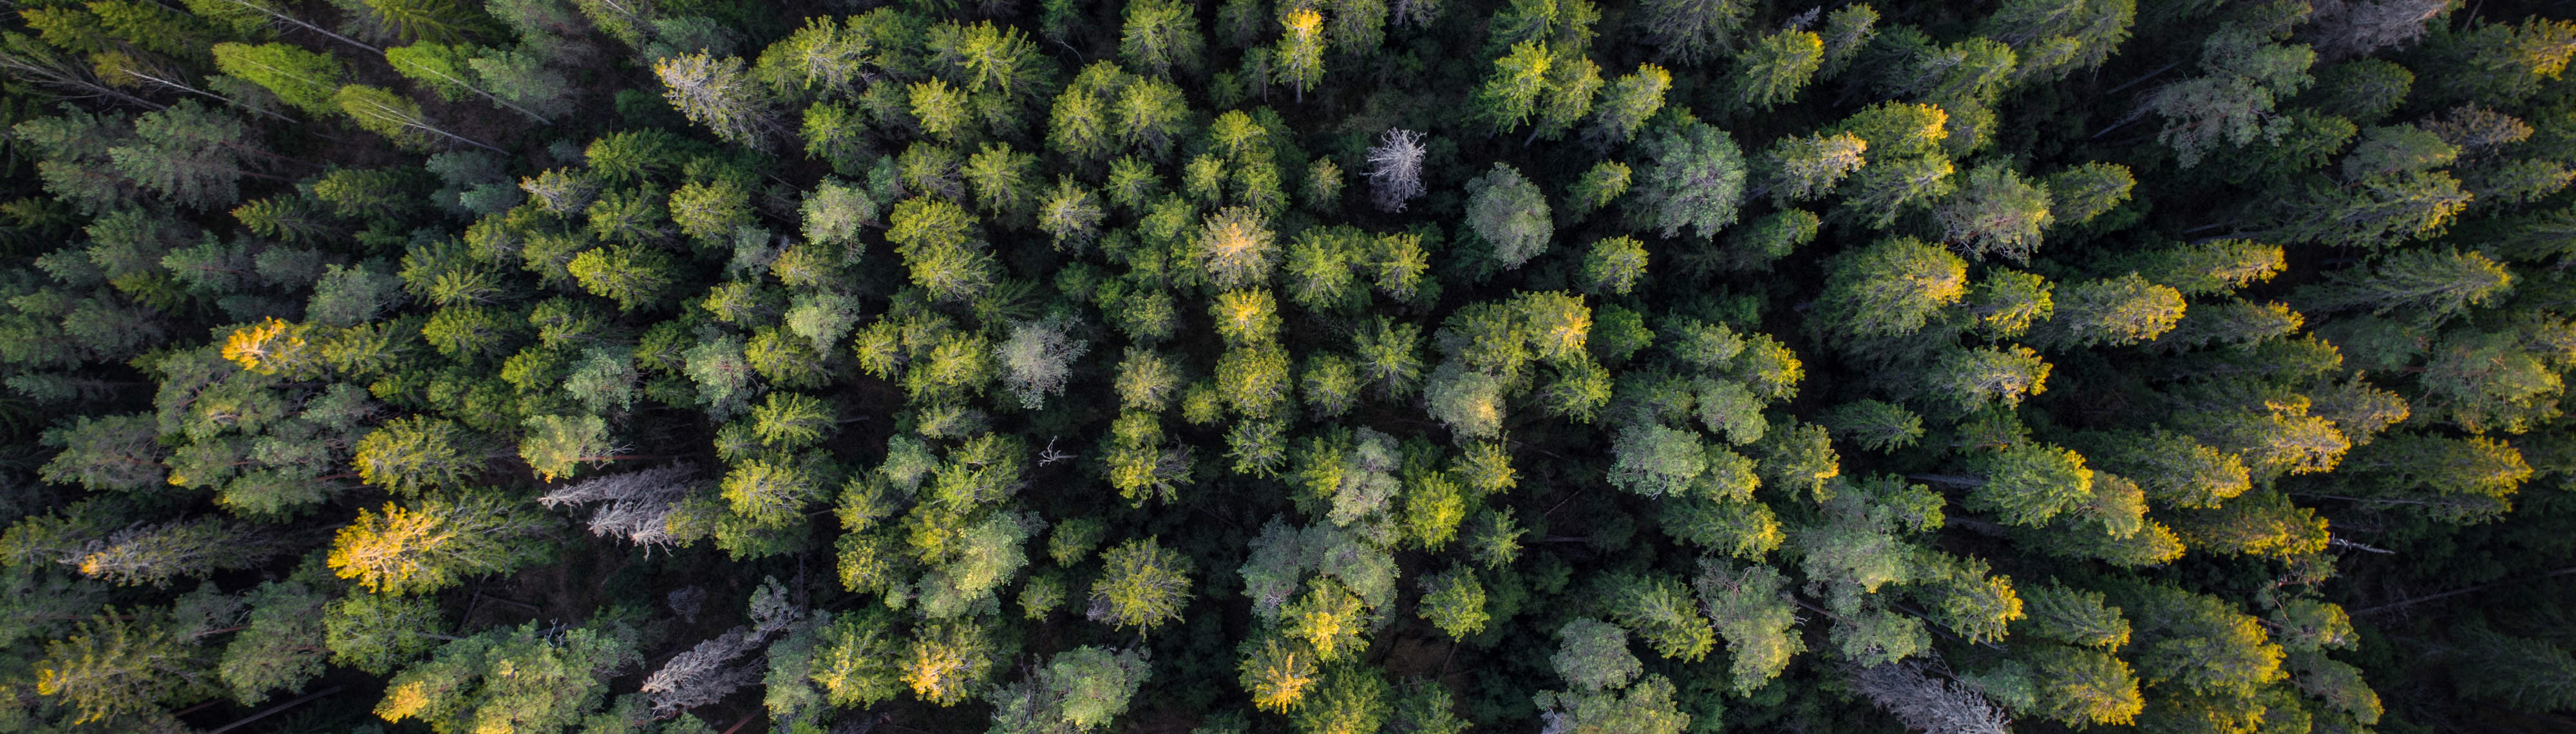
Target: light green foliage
{"points": [[510, 679], [1454, 602], [1891, 288], [1751, 611], [1142, 584], [1592, 655], [1659, 610], [2028, 484], [1773, 68], [301, 78]]}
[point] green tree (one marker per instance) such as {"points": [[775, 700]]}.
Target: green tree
{"points": [[2028, 484], [1626, 103], [1995, 213], [1299, 57], [117, 670], [1772, 69], [1141, 584], [1891, 288], [1694, 178], [451, 72], [302, 79], [1161, 36], [396, 117], [410, 455], [1691, 31], [1510, 214], [510, 679], [1511, 94], [435, 542], [721, 94]]}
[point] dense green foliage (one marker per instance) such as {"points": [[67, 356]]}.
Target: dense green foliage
{"points": [[1317, 366]]}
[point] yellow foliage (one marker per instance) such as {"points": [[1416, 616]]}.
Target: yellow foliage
{"points": [[270, 347], [403, 701], [1278, 676], [383, 551]]}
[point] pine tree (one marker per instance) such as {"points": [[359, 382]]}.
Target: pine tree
{"points": [[435, 542], [1772, 70], [718, 93], [1161, 36], [1694, 178], [302, 79], [395, 117]]}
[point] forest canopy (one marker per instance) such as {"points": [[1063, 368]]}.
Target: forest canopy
{"points": [[1313, 366]]}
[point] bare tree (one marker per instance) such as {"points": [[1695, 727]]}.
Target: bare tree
{"points": [[2347, 28], [708, 672], [1927, 703], [638, 503], [705, 674], [1395, 169]]}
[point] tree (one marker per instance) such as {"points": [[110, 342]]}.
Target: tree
{"points": [[1912, 695], [1510, 94], [436, 542], [1037, 359], [107, 453], [1236, 248], [112, 669], [2077, 195], [1160, 36], [947, 662], [1454, 602], [2056, 37], [1082, 689], [1395, 169], [302, 79], [1658, 610], [718, 93], [1510, 214], [2028, 484], [1809, 167], [1350, 698], [1071, 215], [2232, 101], [451, 72], [2199, 643], [1693, 178], [1772, 70], [410, 455], [1299, 57], [158, 554], [509, 679], [1748, 608], [1891, 288], [1691, 31], [1646, 707], [191, 155], [2123, 310], [1995, 213], [1141, 584], [1592, 656], [855, 660], [2380, 212], [1626, 103], [1613, 266], [395, 117], [1571, 85], [1150, 115], [377, 632]]}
